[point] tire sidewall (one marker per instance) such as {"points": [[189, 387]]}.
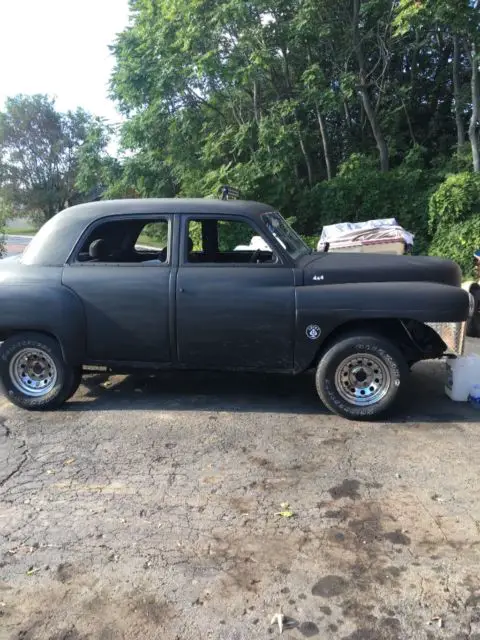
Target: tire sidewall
{"points": [[473, 324], [55, 396], [325, 378]]}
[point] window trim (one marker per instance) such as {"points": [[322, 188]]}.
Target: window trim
{"points": [[183, 254], [72, 259]]}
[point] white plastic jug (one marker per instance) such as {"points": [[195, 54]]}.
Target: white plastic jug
{"points": [[462, 374]]}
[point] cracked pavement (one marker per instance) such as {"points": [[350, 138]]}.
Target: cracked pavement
{"points": [[146, 508]]}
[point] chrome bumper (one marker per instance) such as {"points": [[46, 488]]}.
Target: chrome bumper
{"points": [[452, 333]]}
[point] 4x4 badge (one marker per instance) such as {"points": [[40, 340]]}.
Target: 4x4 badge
{"points": [[313, 331]]}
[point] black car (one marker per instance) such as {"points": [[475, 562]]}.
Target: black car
{"points": [[90, 290]]}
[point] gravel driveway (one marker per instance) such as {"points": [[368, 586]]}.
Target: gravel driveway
{"points": [[147, 508]]}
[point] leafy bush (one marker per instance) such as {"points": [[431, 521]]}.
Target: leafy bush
{"points": [[311, 241], [5, 213], [457, 199], [360, 192], [454, 219], [2, 237], [458, 242]]}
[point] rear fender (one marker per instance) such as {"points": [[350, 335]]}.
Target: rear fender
{"points": [[54, 310]]}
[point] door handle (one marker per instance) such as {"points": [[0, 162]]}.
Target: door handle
{"points": [[182, 290]]}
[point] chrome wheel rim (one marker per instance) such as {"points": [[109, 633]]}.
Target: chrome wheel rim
{"points": [[362, 379], [33, 372]]}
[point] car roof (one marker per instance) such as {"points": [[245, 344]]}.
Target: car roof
{"points": [[55, 240], [143, 206]]}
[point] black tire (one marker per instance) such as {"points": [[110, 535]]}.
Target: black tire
{"points": [[63, 382], [473, 324], [76, 381], [372, 356]]}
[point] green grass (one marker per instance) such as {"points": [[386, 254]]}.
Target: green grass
{"points": [[150, 242], [15, 231]]}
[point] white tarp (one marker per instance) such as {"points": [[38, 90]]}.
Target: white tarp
{"points": [[256, 243], [364, 232]]}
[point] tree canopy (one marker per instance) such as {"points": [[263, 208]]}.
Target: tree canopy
{"points": [[328, 109], [42, 152], [3, 220]]}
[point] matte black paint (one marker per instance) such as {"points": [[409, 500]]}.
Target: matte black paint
{"points": [[251, 317], [337, 268], [236, 317], [126, 309], [332, 305]]}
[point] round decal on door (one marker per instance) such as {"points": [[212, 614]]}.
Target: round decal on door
{"points": [[313, 331]]}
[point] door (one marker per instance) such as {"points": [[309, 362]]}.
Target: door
{"points": [[235, 298], [121, 272]]}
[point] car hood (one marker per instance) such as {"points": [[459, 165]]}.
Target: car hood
{"points": [[341, 268]]}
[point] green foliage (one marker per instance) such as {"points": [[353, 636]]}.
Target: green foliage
{"points": [[232, 234], [454, 219], [360, 192], [311, 241], [39, 154], [95, 167], [2, 237], [458, 242], [272, 98], [456, 200], [5, 214], [158, 232], [230, 92]]}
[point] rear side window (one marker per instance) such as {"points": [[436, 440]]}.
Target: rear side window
{"points": [[129, 241]]}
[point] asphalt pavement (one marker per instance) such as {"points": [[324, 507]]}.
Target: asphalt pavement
{"points": [[159, 507], [16, 244]]}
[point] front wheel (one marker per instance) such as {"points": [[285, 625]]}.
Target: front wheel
{"points": [[360, 377], [33, 373]]}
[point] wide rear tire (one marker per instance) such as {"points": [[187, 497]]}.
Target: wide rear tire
{"points": [[33, 373], [361, 377]]}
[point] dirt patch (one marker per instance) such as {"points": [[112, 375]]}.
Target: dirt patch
{"points": [[329, 586], [64, 572], [309, 629], [348, 489], [397, 537]]}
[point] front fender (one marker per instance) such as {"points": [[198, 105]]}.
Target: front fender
{"points": [[51, 309], [328, 307]]}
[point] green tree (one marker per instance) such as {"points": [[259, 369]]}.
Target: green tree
{"points": [[3, 220], [456, 25], [299, 103], [454, 219], [96, 168], [39, 154]]}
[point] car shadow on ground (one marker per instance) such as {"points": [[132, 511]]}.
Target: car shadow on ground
{"points": [[423, 400]]}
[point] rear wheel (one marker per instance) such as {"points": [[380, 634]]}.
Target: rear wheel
{"points": [[360, 377], [33, 373]]}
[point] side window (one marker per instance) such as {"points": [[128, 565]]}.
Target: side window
{"points": [[129, 241], [153, 234], [217, 240]]}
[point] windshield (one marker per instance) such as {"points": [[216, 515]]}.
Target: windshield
{"points": [[285, 235]]}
